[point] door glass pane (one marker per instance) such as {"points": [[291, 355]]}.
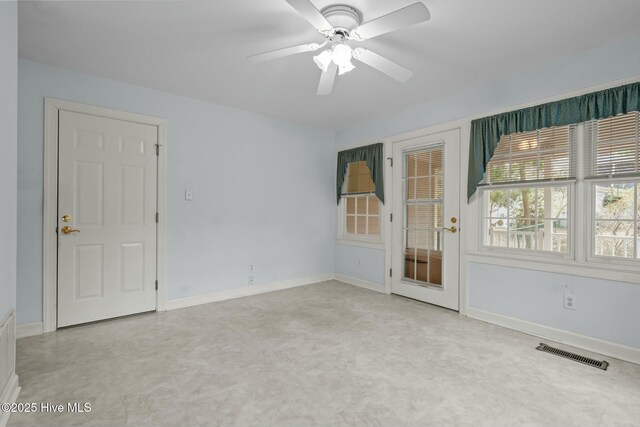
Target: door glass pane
{"points": [[423, 207]]}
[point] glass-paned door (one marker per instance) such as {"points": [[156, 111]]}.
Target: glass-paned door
{"points": [[425, 253]]}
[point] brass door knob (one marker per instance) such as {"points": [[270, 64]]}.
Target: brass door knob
{"points": [[66, 218], [452, 229], [68, 230]]}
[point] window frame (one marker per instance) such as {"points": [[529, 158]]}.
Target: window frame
{"points": [[531, 253], [591, 257], [375, 241], [581, 233]]}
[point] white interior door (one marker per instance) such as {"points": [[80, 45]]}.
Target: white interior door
{"points": [[107, 183], [425, 257]]}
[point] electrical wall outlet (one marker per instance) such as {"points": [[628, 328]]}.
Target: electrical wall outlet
{"points": [[359, 261], [251, 271], [188, 194], [569, 301]]}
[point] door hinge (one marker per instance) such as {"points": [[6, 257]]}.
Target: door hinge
{"points": [[390, 160], [391, 272], [156, 285], [157, 217], [391, 217], [157, 149]]}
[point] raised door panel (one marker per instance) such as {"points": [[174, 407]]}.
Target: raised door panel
{"points": [[107, 184], [89, 271], [89, 199], [132, 195]]}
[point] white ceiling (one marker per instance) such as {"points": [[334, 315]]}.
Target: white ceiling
{"points": [[198, 48]]}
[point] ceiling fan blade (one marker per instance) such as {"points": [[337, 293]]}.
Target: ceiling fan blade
{"points": [[326, 80], [393, 21], [280, 53], [311, 14], [382, 64]]}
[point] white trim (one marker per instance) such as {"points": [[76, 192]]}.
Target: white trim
{"points": [[10, 395], [607, 348], [244, 291], [10, 389], [465, 217], [361, 243], [387, 210], [571, 268], [360, 283], [161, 200], [49, 222], [24, 330]]}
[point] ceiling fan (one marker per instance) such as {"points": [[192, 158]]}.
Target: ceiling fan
{"points": [[340, 24]]}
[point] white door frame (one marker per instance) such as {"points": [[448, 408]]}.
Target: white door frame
{"points": [[50, 214], [464, 126]]}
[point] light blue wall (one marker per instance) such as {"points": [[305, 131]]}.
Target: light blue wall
{"points": [[604, 309], [278, 217], [610, 63], [8, 160], [363, 263], [518, 294]]}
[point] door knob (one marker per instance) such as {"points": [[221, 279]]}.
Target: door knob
{"points": [[452, 229], [66, 218], [68, 230]]}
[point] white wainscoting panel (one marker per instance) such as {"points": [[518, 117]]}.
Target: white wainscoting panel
{"points": [[8, 379]]}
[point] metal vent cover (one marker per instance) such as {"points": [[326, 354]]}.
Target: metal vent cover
{"points": [[600, 364]]}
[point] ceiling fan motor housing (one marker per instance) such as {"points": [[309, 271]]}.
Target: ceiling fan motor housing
{"points": [[342, 17]]}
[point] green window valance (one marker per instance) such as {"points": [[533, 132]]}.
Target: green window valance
{"points": [[486, 132], [373, 155]]}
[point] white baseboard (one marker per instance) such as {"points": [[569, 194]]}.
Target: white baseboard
{"points": [[245, 291], [607, 348], [359, 282], [24, 330]]}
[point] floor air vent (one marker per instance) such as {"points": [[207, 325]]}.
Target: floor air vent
{"points": [[600, 364]]}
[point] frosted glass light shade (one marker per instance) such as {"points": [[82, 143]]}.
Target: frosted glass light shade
{"points": [[342, 69], [341, 55], [323, 60]]}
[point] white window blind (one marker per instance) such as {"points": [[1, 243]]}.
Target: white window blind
{"points": [[614, 146], [543, 155]]}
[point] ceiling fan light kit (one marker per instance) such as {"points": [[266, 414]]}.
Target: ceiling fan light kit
{"points": [[341, 23]]}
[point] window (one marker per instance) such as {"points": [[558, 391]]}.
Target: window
{"points": [[527, 189], [359, 205], [534, 178], [613, 170]]}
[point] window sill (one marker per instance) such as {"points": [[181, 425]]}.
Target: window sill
{"points": [[616, 273], [370, 244]]}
